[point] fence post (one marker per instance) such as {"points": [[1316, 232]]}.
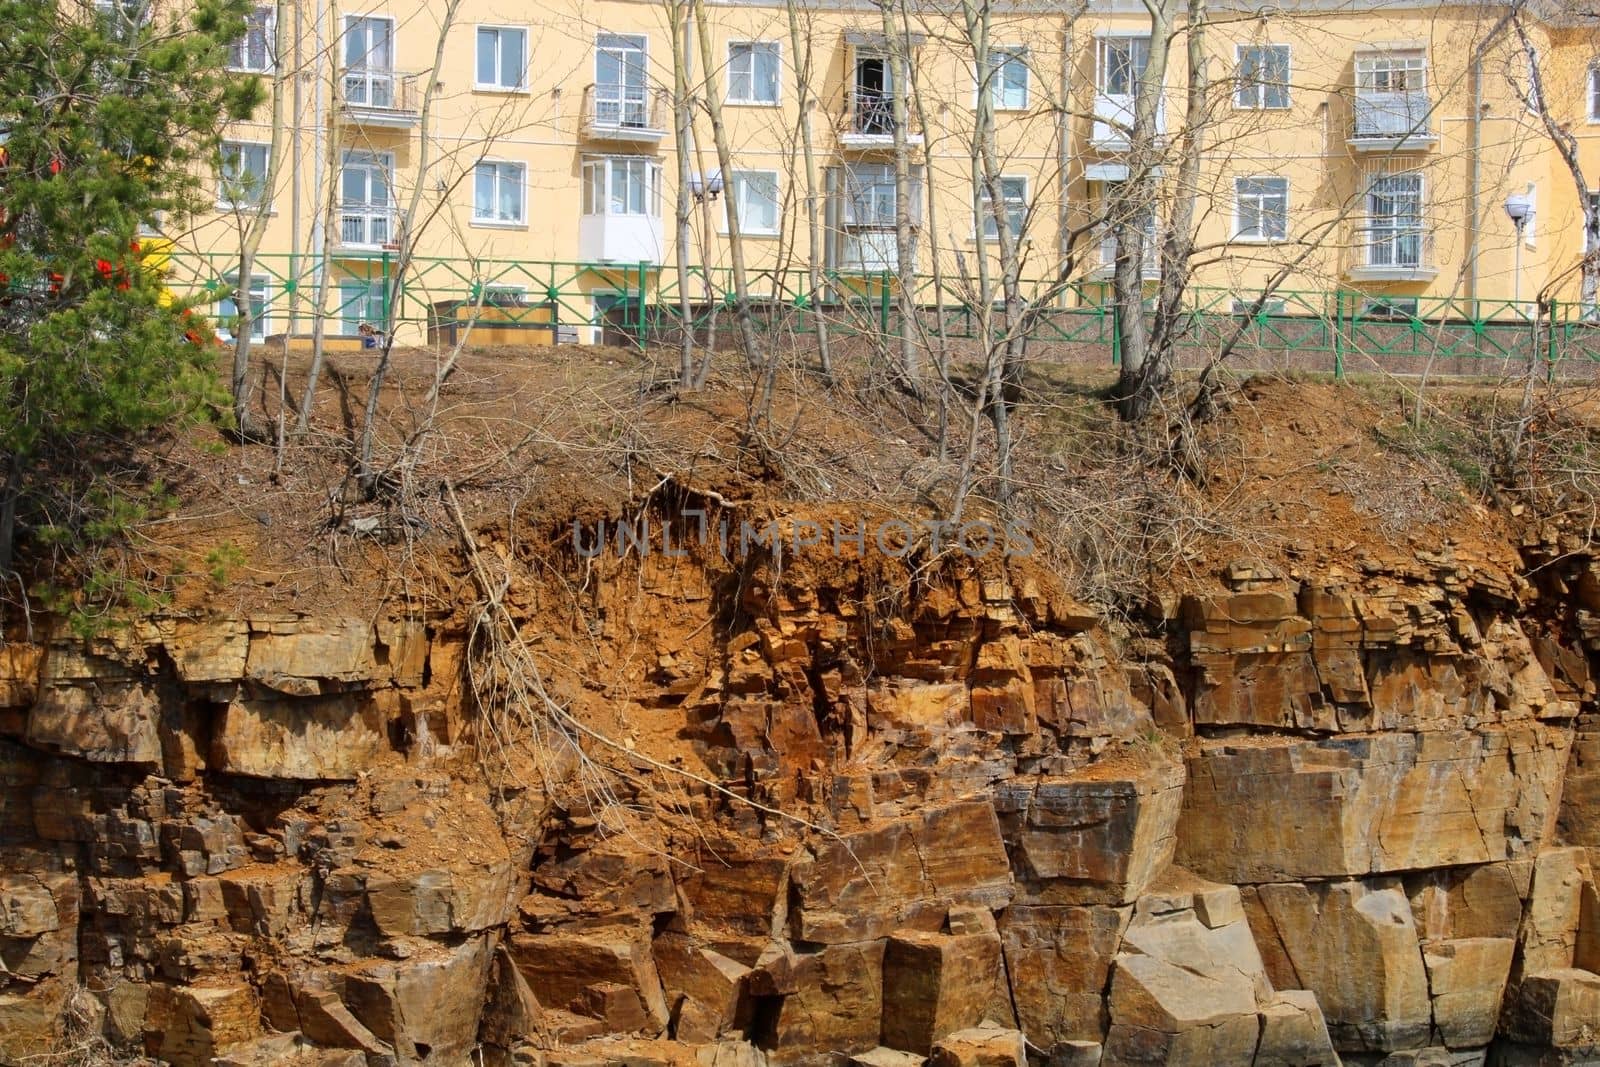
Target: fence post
{"points": [[1338, 336], [1550, 341], [388, 306], [1116, 334], [639, 325], [883, 302]]}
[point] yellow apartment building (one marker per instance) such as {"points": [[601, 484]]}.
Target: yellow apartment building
{"points": [[1370, 145]]}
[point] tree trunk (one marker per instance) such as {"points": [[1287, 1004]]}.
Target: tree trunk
{"points": [[681, 123], [1129, 207], [742, 314], [905, 253], [251, 243], [801, 46]]}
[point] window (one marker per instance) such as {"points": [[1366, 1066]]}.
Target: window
{"points": [[621, 185], [228, 309], [1007, 78], [753, 195], [621, 90], [366, 207], [863, 197], [242, 174], [498, 193], [1014, 192], [1120, 64], [1392, 96], [369, 62], [1261, 209], [753, 72], [1268, 307], [1390, 307], [252, 52], [1394, 220], [1263, 79], [502, 58], [362, 303], [1392, 72], [1594, 94], [123, 18]]}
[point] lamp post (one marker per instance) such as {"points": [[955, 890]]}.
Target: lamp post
{"points": [[1518, 207]]}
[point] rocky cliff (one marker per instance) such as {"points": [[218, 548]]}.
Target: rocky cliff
{"points": [[1331, 805]]}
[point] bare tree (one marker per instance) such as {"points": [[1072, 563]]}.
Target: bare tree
{"points": [[1535, 98]]}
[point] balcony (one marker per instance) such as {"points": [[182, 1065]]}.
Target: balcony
{"points": [[868, 121], [366, 226], [625, 239], [1105, 261], [1392, 122], [1113, 119], [1390, 252], [379, 98], [624, 114]]}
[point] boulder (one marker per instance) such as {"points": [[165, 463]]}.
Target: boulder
{"points": [[427, 1005], [1367, 805], [326, 738], [837, 1005], [1354, 944], [1097, 836], [935, 984], [905, 873], [980, 1047], [1059, 960], [1466, 979], [590, 973], [189, 1026]]}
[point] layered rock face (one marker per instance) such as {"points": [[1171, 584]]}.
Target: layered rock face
{"points": [[1302, 821]]}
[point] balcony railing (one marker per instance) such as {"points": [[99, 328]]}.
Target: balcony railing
{"points": [[623, 113], [868, 119], [1388, 251], [379, 97], [1106, 262], [366, 225], [1385, 121]]}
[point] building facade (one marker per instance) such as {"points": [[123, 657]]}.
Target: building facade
{"points": [[1366, 146]]}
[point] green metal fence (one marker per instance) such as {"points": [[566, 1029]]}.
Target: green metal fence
{"points": [[1339, 331]]}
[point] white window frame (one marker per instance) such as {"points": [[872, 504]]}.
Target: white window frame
{"points": [[628, 104], [1014, 53], [259, 323], [1395, 230], [606, 167], [368, 209], [1240, 196], [500, 86], [986, 224], [1375, 66], [269, 24], [516, 172], [1258, 84], [751, 99], [1594, 93], [735, 202], [227, 203], [1102, 44]]}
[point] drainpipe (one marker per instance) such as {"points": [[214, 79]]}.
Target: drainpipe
{"points": [[319, 132], [296, 153], [1475, 129]]}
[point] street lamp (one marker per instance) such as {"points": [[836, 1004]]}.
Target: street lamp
{"points": [[1518, 207]]}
